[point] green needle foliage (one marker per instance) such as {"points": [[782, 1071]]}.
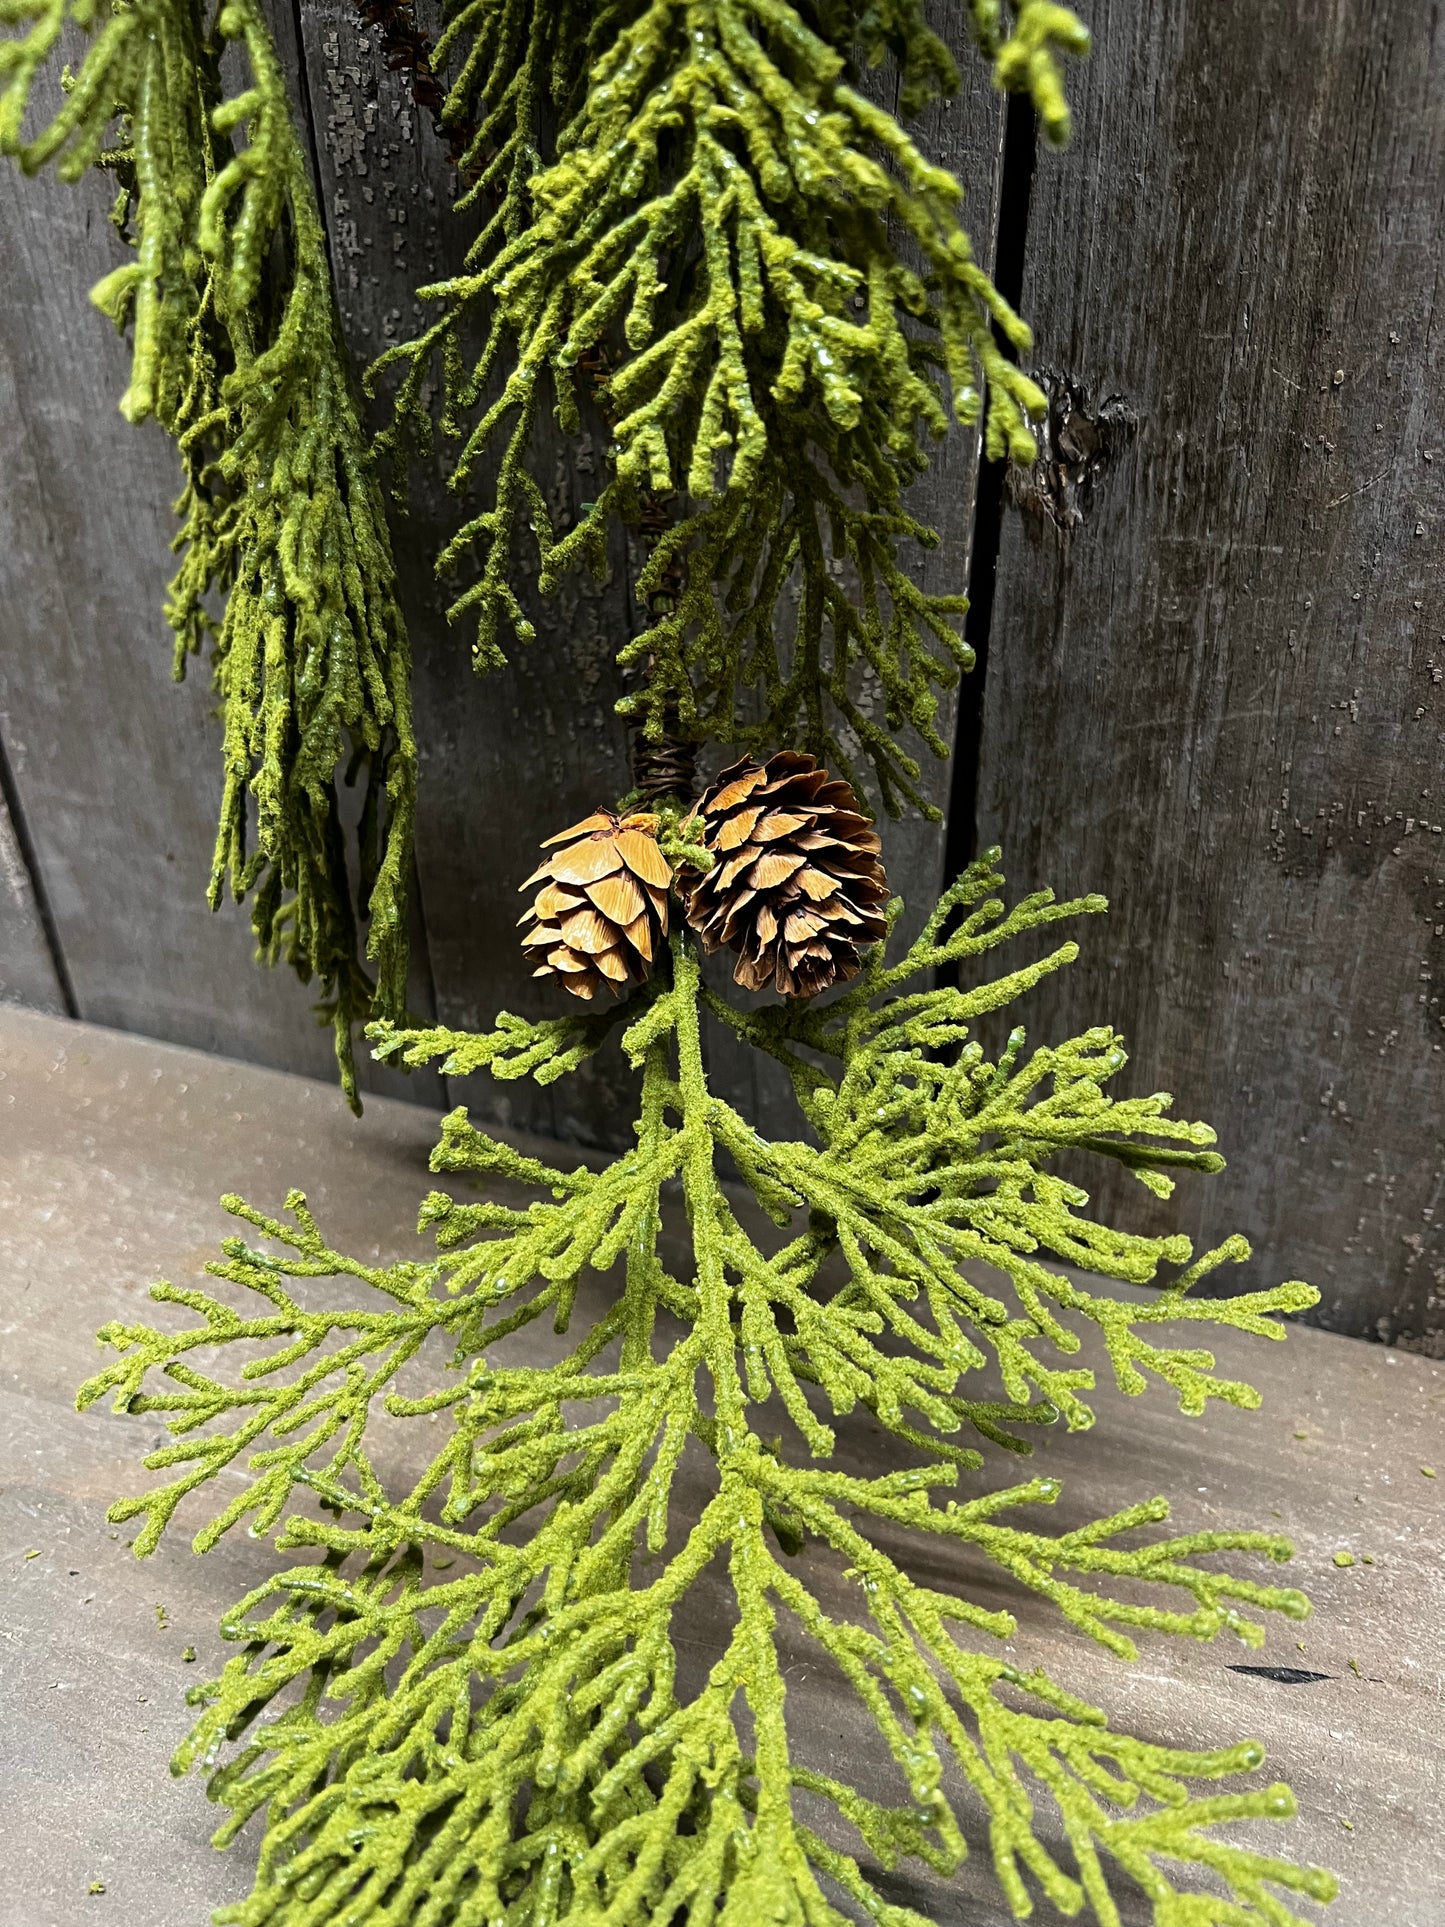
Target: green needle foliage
{"points": [[769, 287], [469, 1703], [236, 352]]}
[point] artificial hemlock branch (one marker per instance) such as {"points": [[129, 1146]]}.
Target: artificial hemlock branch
{"points": [[768, 286], [236, 352], [469, 1703]]}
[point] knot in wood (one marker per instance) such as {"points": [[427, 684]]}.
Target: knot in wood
{"points": [[1078, 445]]}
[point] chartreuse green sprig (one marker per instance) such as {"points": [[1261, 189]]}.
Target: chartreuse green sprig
{"points": [[768, 287], [236, 352], [463, 1703]]}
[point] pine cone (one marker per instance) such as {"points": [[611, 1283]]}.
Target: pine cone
{"points": [[797, 885], [602, 912]]}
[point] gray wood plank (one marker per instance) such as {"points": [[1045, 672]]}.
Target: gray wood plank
{"points": [[112, 1151], [118, 772], [27, 969], [1218, 697]]}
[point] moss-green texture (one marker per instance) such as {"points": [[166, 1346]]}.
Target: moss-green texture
{"points": [[768, 288]]}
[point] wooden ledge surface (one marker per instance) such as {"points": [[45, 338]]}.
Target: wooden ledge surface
{"points": [[113, 1152]]}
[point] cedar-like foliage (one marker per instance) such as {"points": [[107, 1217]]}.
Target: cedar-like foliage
{"points": [[466, 1702], [768, 286], [236, 352]]}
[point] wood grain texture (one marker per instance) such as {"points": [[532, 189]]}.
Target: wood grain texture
{"points": [[1218, 697], [112, 1151], [27, 969]]}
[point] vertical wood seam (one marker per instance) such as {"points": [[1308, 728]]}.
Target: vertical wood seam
{"points": [[19, 821], [29, 857], [1016, 182], [313, 144]]}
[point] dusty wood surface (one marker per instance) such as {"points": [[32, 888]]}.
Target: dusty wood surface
{"points": [[113, 1151], [1218, 697]]}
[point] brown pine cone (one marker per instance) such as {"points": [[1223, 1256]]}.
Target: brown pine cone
{"points": [[797, 885], [601, 915]]}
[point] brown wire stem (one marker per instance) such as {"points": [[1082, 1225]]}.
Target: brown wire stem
{"points": [[408, 51]]}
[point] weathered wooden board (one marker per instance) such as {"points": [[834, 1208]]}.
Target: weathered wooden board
{"points": [[1218, 696], [112, 1151], [117, 771], [27, 969]]}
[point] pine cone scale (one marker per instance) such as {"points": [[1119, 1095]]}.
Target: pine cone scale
{"points": [[619, 897], [737, 829], [599, 820], [585, 862], [639, 935], [644, 859], [778, 823], [774, 868], [589, 932], [613, 965], [732, 794], [556, 901]]}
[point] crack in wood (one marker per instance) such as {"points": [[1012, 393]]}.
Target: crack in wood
{"points": [[1283, 1675]]}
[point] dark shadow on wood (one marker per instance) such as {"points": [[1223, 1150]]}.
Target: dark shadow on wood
{"points": [[10, 796], [1020, 159]]}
